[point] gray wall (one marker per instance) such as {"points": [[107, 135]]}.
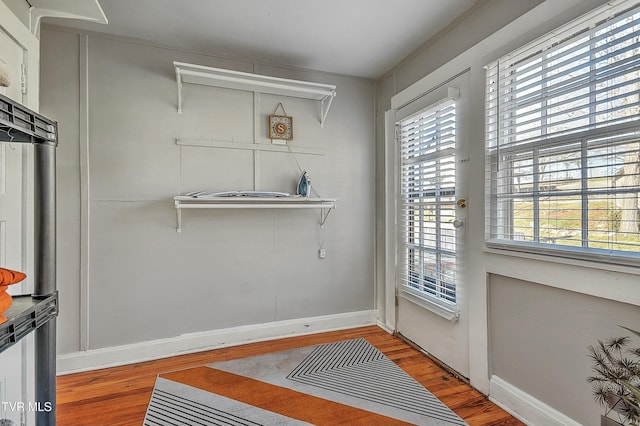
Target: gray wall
{"points": [[539, 340], [125, 275]]}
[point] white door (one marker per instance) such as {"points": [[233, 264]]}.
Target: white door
{"points": [[430, 215]]}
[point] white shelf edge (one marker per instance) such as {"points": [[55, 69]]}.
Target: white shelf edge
{"points": [[219, 77], [211, 143], [187, 202]]}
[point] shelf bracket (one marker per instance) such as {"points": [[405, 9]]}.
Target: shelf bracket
{"points": [[324, 214], [324, 109], [179, 81], [178, 219]]}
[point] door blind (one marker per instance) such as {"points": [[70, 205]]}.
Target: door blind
{"points": [[427, 252]]}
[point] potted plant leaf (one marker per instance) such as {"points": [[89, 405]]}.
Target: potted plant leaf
{"points": [[616, 379]]}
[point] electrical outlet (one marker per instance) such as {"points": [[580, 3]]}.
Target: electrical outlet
{"points": [[322, 253]]}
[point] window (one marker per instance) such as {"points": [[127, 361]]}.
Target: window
{"points": [[563, 143], [427, 238]]}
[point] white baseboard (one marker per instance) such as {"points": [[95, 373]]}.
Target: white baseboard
{"points": [[196, 342], [525, 407]]}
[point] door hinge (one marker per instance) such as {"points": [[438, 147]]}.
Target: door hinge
{"points": [[23, 79]]}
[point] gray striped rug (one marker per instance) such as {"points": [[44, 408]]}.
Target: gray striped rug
{"points": [[351, 372], [175, 404]]}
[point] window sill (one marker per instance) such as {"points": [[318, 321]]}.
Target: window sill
{"points": [[606, 281], [444, 311], [543, 254]]}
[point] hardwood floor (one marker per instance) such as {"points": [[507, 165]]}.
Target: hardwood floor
{"points": [[119, 395]]}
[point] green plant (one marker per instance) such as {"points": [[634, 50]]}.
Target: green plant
{"points": [[616, 379]]}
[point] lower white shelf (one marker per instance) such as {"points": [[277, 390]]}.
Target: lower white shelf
{"points": [[293, 202]]}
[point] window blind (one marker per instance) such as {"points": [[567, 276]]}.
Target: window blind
{"points": [[427, 239], [563, 142]]}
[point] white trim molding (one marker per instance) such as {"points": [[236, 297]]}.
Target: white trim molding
{"points": [[196, 342], [85, 11], [525, 407]]}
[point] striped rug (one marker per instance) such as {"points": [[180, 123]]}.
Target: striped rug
{"points": [[349, 382]]}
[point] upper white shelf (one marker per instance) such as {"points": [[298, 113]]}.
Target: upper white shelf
{"points": [[208, 76]]}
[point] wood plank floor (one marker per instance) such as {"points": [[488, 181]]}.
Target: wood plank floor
{"points": [[119, 395]]}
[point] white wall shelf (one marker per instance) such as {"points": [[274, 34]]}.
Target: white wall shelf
{"points": [[218, 77], [187, 202]]}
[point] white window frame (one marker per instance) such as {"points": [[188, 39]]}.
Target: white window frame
{"points": [[500, 155], [441, 297]]}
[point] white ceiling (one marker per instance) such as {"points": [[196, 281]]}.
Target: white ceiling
{"points": [[363, 38]]}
